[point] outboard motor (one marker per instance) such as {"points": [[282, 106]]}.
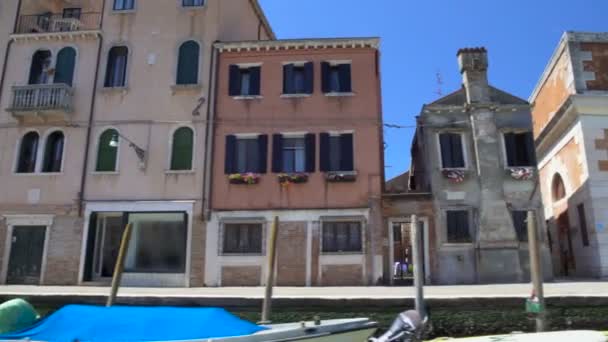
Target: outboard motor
{"points": [[405, 328]]}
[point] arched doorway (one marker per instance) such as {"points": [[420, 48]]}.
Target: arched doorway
{"points": [[564, 234]]}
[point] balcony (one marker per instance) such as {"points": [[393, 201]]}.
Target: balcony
{"points": [[42, 102], [50, 23]]}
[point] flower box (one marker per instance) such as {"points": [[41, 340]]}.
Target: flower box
{"points": [[454, 176], [292, 178], [521, 173], [244, 178], [341, 177]]}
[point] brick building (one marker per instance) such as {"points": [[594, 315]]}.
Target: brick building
{"points": [[570, 119]]}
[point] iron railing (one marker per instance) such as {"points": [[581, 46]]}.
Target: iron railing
{"points": [[42, 97], [49, 23]]}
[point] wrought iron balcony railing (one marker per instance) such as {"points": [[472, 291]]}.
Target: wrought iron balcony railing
{"points": [[51, 23]]}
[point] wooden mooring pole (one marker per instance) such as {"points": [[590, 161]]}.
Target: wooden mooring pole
{"points": [[416, 236], [272, 248], [536, 271], [120, 264]]}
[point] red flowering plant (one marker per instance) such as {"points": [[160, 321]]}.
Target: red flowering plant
{"points": [[454, 176], [292, 178], [244, 178]]}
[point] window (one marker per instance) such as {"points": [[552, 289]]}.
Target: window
{"points": [[520, 223], [298, 79], [452, 153], [53, 152], [39, 71], [582, 220], [244, 81], [337, 152], [193, 3], [342, 237], [107, 151], [182, 149], [293, 154], [124, 5], [558, 190], [246, 154], [72, 13], [28, 151], [64, 68], [242, 238], [116, 71], [187, 65], [458, 226], [519, 148], [336, 78]]}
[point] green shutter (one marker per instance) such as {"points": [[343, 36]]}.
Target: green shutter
{"points": [[188, 60], [64, 69], [182, 149], [106, 154]]}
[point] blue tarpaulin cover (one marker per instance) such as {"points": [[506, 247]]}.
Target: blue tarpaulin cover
{"points": [[122, 323]]}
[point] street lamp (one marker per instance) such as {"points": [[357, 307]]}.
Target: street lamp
{"points": [[140, 152]]}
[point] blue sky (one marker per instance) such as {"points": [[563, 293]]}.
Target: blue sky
{"points": [[420, 39]]}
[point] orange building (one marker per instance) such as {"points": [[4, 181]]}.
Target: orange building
{"points": [[298, 135]]}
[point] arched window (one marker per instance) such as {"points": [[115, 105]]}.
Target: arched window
{"points": [[557, 188], [64, 68], [182, 149], [26, 162], [41, 62], [107, 151], [116, 71], [187, 64], [53, 152]]}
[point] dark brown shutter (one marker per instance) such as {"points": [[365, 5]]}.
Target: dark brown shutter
{"points": [[255, 81], [345, 78], [510, 148], [263, 155], [530, 149], [324, 152], [347, 154], [277, 153], [310, 152], [235, 81], [90, 251], [230, 158], [457, 152], [325, 74], [288, 80], [446, 150], [309, 77]]}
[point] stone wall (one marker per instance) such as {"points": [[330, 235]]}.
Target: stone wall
{"points": [[341, 275], [63, 251], [241, 275]]}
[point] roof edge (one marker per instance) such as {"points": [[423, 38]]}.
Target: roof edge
{"points": [[260, 12], [373, 42], [559, 50]]}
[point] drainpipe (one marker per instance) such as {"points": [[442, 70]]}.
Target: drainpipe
{"points": [[85, 164], [209, 133], [8, 50]]}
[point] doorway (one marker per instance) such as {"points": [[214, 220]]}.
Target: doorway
{"points": [[567, 261], [26, 255], [108, 236], [401, 255]]}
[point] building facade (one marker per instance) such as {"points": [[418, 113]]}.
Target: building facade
{"points": [[570, 127], [103, 121], [473, 152], [298, 136]]}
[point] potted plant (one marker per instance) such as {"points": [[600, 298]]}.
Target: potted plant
{"points": [[292, 178], [454, 176], [244, 178], [341, 176]]}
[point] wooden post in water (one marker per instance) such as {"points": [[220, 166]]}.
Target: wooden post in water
{"points": [[120, 264], [536, 271], [416, 236], [272, 248]]}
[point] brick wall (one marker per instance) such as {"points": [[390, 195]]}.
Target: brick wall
{"points": [[598, 65], [241, 275], [342, 275], [63, 251], [291, 254], [197, 260], [315, 253]]}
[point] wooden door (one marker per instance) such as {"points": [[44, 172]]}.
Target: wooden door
{"points": [[25, 260], [566, 251]]}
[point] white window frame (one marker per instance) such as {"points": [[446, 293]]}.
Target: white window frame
{"points": [[465, 148]]}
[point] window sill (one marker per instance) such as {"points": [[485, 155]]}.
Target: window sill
{"points": [[37, 174], [193, 8], [125, 11], [179, 172], [457, 244], [113, 90], [341, 176], [248, 97], [343, 253], [338, 94], [295, 96], [185, 87], [292, 178], [105, 173], [241, 254]]}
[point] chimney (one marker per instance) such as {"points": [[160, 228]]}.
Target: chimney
{"points": [[473, 64]]}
